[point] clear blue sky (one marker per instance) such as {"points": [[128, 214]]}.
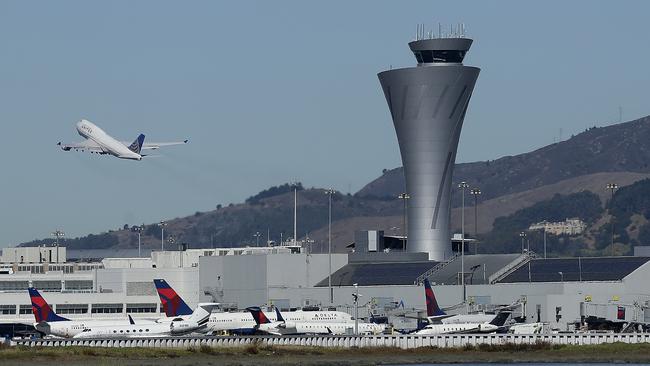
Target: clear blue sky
{"points": [[271, 91]]}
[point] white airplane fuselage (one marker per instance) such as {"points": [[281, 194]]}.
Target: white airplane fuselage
{"points": [[70, 328], [294, 328], [458, 328], [468, 318], [108, 144], [242, 321]]}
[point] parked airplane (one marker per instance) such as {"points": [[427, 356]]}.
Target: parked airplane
{"points": [[172, 303], [195, 322], [99, 142], [238, 322], [48, 322], [457, 328], [282, 327], [437, 315]]}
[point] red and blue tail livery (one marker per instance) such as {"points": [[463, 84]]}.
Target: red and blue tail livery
{"points": [[172, 303], [432, 305], [41, 309], [258, 315]]}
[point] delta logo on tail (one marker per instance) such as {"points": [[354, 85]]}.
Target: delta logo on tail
{"points": [[258, 315], [432, 305], [172, 303], [41, 309]]}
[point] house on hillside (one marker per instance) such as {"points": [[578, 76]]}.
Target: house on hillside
{"points": [[573, 226]]}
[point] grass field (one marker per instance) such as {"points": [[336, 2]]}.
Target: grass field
{"points": [[255, 355]]}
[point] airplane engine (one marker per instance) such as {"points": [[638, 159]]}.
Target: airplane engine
{"points": [[286, 325], [183, 326]]}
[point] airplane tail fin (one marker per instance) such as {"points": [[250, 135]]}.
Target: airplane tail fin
{"points": [[432, 305], [136, 146], [258, 315], [172, 303], [500, 319], [201, 314], [279, 316], [41, 309]]}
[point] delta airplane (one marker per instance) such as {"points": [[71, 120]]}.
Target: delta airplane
{"points": [[238, 322], [48, 322], [99, 142], [176, 327], [282, 327], [460, 328], [436, 315]]}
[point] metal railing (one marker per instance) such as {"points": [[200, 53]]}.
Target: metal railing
{"points": [[418, 281]]}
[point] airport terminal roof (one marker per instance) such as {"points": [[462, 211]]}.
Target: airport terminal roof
{"points": [[371, 274], [478, 269], [576, 269]]}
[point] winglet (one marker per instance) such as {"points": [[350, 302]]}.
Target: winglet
{"points": [[432, 305], [258, 315], [136, 146], [172, 303], [41, 309], [131, 321]]}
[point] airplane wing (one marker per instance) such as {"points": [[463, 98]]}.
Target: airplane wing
{"points": [[157, 145], [88, 144]]}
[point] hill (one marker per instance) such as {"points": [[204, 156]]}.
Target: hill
{"points": [[622, 147], [585, 162]]}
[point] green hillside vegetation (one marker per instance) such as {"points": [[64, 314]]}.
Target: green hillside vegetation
{"points": [[100, 241]]}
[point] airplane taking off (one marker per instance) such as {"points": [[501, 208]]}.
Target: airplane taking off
{"points": [[99, 142]]}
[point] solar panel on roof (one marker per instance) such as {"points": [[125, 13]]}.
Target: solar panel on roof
{"points": [[369, 274], [576, 269]]}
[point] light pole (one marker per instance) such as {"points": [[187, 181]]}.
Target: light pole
{"points": [[522, 235], [138, 229], [295, 213], [257, 238], [404, 196], [475, 192], [356, 308], [544, 240], [462, 186], [172, 240], [612, 187], [329, 192], [58, 234], [162, 225]]}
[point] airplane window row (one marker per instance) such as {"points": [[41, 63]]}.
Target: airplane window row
{"points": [[128, 331]]}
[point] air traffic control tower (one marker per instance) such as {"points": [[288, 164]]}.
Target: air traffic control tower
{"points": [[428, 104]]}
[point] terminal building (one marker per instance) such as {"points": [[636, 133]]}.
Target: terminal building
{"points": [[562, 292]]}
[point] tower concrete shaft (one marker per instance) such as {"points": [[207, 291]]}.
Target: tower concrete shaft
{"points": [[428, 104]]}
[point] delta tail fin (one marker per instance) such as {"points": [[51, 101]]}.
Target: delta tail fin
{"points": [[258, 315], [432, 305], [172, 303], [41, 309], [136, 146]]}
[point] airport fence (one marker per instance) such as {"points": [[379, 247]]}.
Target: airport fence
{"points": [[399, 341]]}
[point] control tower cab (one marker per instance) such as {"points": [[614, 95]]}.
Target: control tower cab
{"points": [[428, 104]]}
